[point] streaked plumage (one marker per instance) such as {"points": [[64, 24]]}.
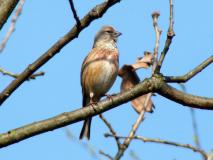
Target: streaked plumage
{"points": [[99, 70]]}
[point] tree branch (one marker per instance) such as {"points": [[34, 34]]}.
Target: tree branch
{"points": [[187, 146], [12, 25], [170, 35], [78, 23], [64, 119], [127, 140], [140, 118], [111, 130], [13, 75], [154, 84], [6, 8], [95, 13], [106, 155], [184, 98], [155, 16], [191, 74]]}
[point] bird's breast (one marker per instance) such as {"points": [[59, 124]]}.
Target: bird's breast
{"points": [[99, 74]]}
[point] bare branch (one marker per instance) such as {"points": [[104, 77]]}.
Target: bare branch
{"points": [[171, 32], [140, 118], [78, 22], [127, 140], [111, 130], [187, 146], [184, 98], [106, 155], [191, 74], [13, 75], [196, 136], [95, 13], [170, 35], [6, 8], [12, 25], [89, 148], [154, 84], [195, 129], [155, 16]]}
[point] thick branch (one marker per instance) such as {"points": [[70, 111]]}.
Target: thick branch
{"points": [[191, 74], [184, 98], [64, 119], [6, 8], [148, 85], [95, 13]]}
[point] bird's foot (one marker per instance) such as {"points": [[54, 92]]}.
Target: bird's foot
{"points": [[92, 103], [109, 96]]}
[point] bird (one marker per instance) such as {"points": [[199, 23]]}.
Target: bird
{"points": [[99, 70]]}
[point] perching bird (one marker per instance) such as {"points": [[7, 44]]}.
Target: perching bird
{"points": [[99, 70]]}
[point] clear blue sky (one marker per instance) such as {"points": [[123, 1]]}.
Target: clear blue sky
{"points": [[42, 23]]}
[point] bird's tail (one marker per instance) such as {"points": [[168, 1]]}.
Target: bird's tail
{"points": [[85, 132]]}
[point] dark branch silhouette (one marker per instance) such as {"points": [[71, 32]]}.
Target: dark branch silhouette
{"points": [[78, 22]]}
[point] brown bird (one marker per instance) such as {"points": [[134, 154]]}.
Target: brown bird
{"points": [[99, 70]]}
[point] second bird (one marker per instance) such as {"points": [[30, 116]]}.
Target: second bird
{"points": [[99, 70]]}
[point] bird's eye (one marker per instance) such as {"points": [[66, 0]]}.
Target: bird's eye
{"points": [[109, 31]]}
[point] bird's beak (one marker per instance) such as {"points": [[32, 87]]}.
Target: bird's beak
{"points": [[117, 34]]}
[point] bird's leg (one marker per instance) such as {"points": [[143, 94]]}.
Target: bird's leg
{"points": [[92, 102]]}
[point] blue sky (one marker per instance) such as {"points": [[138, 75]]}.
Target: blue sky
{"points": [[42, 23]]}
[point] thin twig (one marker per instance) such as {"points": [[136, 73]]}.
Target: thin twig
{"points": [[12, 25], [13, 75], [111, 129], [106, 155], [133, 155], [90, 149], [171, 32], [195, 129], [155, 16], [170, 35], [196, 136], [78, 22], [188, 146], [127, 140], [190, 74]]}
